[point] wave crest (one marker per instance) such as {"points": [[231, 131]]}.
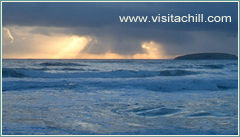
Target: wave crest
{"points": [[216, 66], [89, 73], [176, 73], [8, 72], [61, 64]]}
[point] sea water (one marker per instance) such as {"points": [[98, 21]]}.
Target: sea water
{"points": [[120, 97]]}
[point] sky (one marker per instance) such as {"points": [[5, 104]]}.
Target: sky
{"points": [[92, 30]]}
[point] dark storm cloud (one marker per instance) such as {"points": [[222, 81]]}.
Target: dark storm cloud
{"points": [[102, 21], [105, 14]]}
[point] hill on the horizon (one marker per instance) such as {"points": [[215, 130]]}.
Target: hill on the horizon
{"points": [[206, 56]]}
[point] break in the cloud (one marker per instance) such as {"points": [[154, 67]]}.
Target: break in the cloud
{"points": [[92, 30]]}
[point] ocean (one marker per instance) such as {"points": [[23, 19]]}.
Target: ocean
{"points": [[119, 97]]}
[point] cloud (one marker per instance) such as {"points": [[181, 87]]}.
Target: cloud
{"points": [[65, 43], [153, 51], [57, 45], [10, 36], [97, 14], [73, 47], [40, 26]]}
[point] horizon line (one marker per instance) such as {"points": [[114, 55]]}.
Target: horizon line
{"points": [[86, 59]]}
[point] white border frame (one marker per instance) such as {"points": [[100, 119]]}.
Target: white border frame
{"points": [[119, 2]]}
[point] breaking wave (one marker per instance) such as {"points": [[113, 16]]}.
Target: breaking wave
{"points": [[177, 73], [153, 84], [216, 66], [61, 64], [8, 72], [90, 73]]}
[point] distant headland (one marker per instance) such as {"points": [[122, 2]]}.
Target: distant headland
{"points": [[206, 56]]}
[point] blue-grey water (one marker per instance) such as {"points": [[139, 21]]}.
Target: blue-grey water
{"points": [[126, 97]]}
